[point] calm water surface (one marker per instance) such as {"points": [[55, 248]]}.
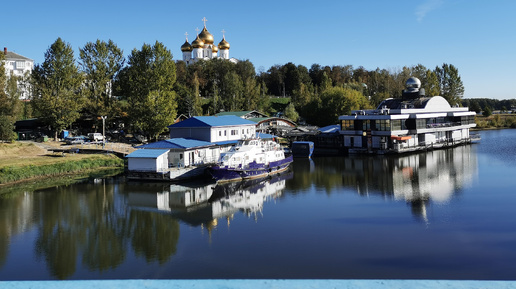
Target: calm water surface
{"points": [[446, 214]]}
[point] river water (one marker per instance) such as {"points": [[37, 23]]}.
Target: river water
{"points": [[444, 214]]}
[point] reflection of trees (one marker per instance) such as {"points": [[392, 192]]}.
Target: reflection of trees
{"points": [[153, 235], [88, 219], [324, 172]]}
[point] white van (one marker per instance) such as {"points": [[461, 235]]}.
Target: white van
{"points": [[96, 137]]}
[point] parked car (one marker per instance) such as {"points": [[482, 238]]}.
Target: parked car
{"points": [[95, 137], [75, 140]]}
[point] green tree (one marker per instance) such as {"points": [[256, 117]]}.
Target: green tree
{"points": [[10, 105], [338, 101], [57, 83], [148, 83], [232, 92], [450, 83], [101, 62], [487, 111], [291, 113]]}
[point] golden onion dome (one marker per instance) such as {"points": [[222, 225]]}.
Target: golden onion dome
{"points": [[206, 36], [224, 44], [214, 49], [186, 47], [198, 43]]}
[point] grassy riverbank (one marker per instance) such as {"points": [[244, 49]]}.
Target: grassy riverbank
{"points": [[496, 121], [25, 161]]}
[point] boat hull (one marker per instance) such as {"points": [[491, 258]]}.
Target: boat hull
{"points": [[253, 171]]}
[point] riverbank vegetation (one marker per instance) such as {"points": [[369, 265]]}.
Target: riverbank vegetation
{"points": [[20, 161], [496, 121]]}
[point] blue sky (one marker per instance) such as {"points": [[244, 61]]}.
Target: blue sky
{"points": [[478, 37]]}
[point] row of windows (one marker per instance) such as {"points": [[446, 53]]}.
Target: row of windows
{"points": [[402, 124], [233, 132]]}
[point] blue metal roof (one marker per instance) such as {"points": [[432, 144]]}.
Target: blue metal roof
{"points": [[330, 129], [265, 135], [152, 153], [176, 143], [210, 121]]}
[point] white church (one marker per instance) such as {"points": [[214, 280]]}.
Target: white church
{"points": [[204, 48]]}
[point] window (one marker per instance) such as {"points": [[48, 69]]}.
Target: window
{"points": [[347, 124], [383, 124], [20, 64], [396, 124]]}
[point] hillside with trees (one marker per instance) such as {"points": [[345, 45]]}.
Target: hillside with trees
{"points": [[147, 90]]}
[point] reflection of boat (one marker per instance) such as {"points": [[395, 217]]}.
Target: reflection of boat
{"points": [[204, 204], [249, 159], [302, 149], [249, 195]]}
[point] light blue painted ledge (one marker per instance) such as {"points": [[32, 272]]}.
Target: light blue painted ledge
{"points": [[253, 284]]}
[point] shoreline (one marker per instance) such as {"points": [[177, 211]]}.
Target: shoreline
{"points": [[32, 162]]}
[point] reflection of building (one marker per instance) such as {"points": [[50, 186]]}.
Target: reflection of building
{"points": [[202, 204], [417, 179], [414, 122]]}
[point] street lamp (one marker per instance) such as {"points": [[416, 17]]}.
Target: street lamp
{"points": [[103, 130]]}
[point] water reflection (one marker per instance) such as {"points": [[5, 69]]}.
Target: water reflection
{"points": [[86, 224], [416, 178], [204, 204]]}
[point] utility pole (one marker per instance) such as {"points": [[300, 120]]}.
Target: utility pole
{"points": [[103, 130]]}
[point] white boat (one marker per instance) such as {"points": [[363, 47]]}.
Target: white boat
{"points": [[249, 159], [410, 123]]}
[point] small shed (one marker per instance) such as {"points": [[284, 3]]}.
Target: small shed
{"points": [[148, 160]]}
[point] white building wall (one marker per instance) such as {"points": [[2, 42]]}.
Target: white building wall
{"points": [[228, 133], [187, 55], [197, 53], [142, 164], [200, 133], [457, 135], [224, 53]]}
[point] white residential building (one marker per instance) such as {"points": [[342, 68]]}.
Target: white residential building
{"points": [[20, 66]]}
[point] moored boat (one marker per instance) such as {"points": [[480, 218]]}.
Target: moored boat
{"points": [[302, 149], [250, 159]]}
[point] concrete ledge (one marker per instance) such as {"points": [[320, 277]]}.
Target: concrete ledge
{"points": [[252, 284]]}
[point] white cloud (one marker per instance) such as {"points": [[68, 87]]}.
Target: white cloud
{"points": [[426, 7]]}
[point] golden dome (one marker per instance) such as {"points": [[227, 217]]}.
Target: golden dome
{"points": [[206, 36], [186, 46], [224, 45], [214, 49], [198, 43]]}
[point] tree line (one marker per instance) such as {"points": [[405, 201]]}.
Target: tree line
{"points": [[147, 90]]}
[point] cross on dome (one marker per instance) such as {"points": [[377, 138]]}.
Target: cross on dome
{"points": [[204, 20]]}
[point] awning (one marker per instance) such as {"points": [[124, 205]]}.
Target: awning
{"points": [[406, 137]]}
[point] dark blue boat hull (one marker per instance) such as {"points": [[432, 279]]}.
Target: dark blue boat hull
{"points": [[252, 171]]}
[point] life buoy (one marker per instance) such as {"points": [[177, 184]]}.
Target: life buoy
{"points": [[196, 152]]}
